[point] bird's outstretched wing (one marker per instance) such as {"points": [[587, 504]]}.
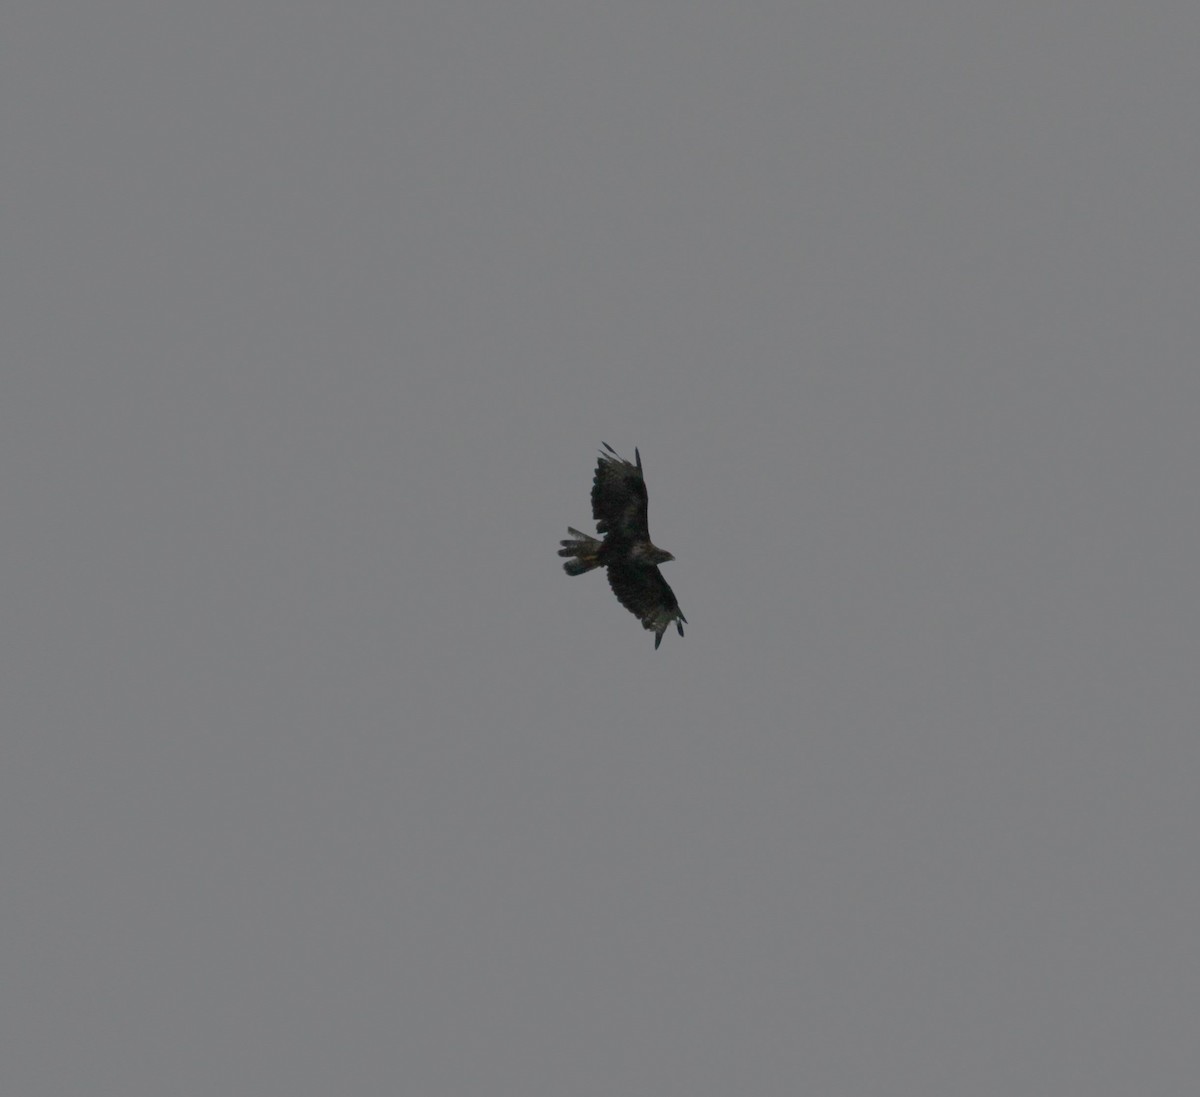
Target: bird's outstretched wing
{"points": [[619, 499], [642, 590]]}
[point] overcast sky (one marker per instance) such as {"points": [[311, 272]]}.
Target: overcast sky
{"points": [[317, 775]]}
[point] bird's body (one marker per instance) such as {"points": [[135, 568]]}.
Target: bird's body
{"points": [[619, 506]]}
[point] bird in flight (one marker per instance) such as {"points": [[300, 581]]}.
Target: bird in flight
{"points": [[619, 503]]}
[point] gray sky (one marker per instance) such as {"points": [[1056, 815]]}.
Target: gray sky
{"points": [[319, 777]]}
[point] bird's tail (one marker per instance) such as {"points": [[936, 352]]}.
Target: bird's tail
{"points": [[584, 549]]}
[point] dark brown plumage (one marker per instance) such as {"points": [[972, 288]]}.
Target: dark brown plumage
{"points": [[619, 504]]}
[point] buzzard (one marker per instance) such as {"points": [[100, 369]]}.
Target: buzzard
{"points": [[619, 506]]}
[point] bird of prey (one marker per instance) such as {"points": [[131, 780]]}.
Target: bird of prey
{"points": [[619, 503]]}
